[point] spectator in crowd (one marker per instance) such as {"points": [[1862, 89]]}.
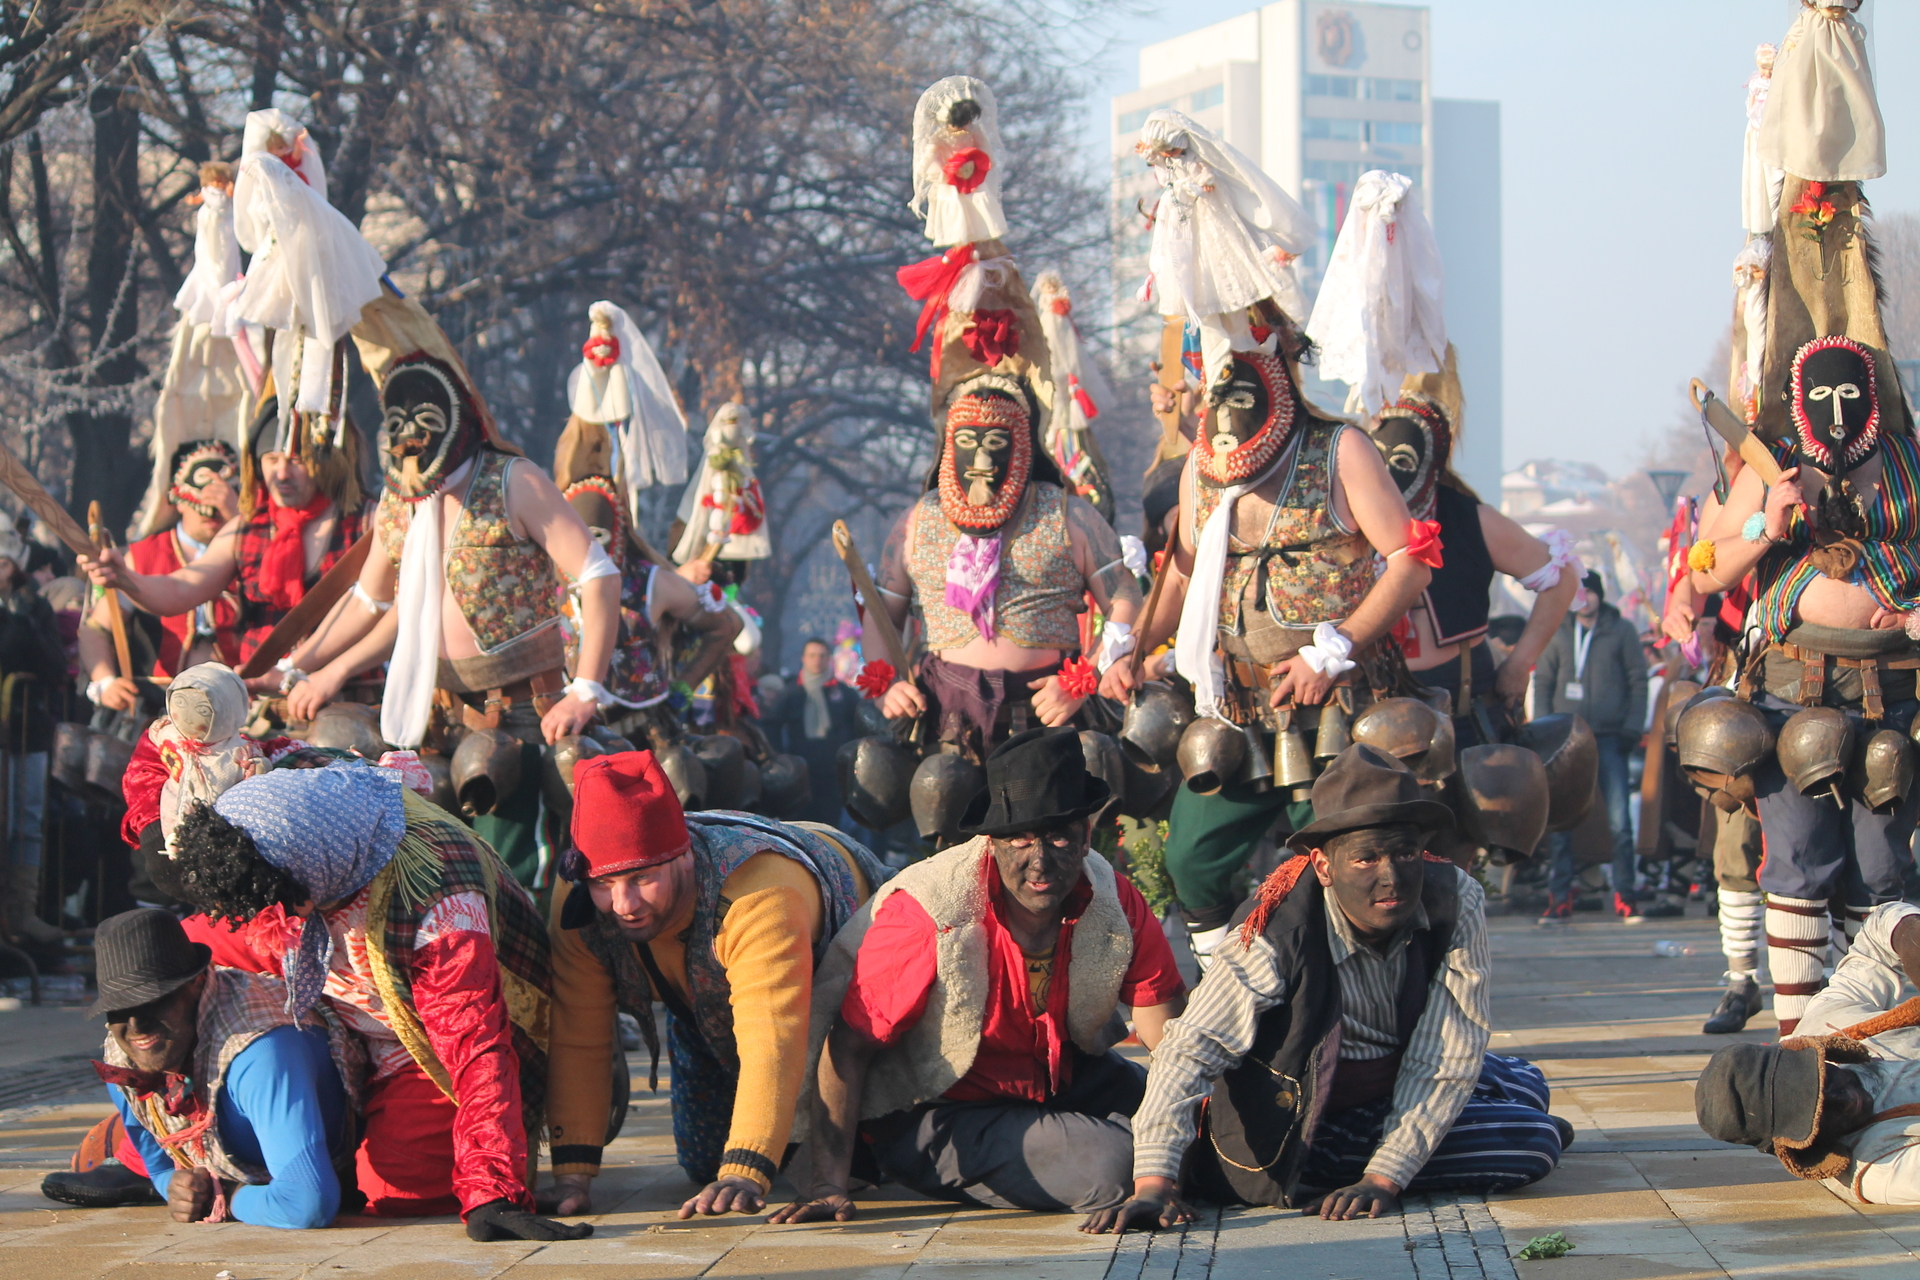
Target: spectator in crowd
{"points": [[34, 663], [1595, 668], [813, 718]]}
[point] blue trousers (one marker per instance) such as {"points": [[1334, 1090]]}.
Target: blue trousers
{"points": [[1503, 1138], [1614, 792]]}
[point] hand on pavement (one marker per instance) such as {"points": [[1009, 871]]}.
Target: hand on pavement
{"points": [[728, 1194], [504, 1220], [1155, 1203]]}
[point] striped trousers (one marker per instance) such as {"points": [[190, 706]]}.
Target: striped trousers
{"points": [[1503, 1139]]}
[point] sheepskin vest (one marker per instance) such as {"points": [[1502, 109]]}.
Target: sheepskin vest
{"points": [[939, 1050]]}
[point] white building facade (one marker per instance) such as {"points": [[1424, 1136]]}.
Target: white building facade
{"points": [[1318, 93]]}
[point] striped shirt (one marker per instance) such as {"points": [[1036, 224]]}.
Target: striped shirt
{"points": [[1438, 1070]]}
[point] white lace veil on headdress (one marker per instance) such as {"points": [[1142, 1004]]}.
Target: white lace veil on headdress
{"points": [[312, 270], [1379, 315], [1224, 235], [651, 448], [954, 216], [726, 460]]}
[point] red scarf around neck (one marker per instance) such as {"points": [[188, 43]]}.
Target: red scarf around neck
{"points": [[283, 569]]}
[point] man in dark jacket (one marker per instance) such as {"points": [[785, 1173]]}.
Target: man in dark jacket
{"points": [[1594, 668], [812, 719]]}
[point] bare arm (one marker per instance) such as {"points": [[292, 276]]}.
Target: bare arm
{"points": [[361, 638], [98, 660], [895, 585], [675, 598], [1733, 556], [540, 511], [171, 594], [1518, 553], [1096, 552], [1150, 1022], [842, 1083]]}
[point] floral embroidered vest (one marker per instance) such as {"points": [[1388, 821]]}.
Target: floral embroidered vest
{"points": [[1040, 594], [1306, 569], [507, 587]]}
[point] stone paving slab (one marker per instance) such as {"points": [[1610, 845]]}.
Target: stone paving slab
{"points": [[1642, 1194]]}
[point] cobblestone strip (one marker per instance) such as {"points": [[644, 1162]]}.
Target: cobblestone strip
{"points": [[1454, 1237], [1184, 1253]]}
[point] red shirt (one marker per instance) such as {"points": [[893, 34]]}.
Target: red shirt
{"points": [[162, 553], [1023, 1055]]}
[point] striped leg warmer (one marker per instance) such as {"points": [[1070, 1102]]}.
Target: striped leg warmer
{"points": [[1850, 919], [1797, 940], [1741, 930]]}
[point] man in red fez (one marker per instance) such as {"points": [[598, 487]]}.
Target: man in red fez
{"points": [[722, 917]]}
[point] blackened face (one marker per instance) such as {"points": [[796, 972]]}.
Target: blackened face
{"points": [[1038, 869], [1404, 446], [160, 1036], [1848, 1106], [1375, 876], [1237, 407]]}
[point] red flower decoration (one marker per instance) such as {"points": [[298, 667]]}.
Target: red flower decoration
{"points": [[966, 169], [601, 350], [1078, 679], [1423, 542], [875, 679], [992, 336]]}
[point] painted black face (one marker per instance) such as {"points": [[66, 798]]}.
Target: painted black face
{"points": [[1404, 445], [1236, 407]]}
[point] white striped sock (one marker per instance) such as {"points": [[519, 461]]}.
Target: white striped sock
{"points": [[1742, 929], [1798, 934]]}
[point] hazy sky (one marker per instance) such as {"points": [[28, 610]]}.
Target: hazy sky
{"points": [[1622, 125]]}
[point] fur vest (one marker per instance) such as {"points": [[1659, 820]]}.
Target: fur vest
{"points": [[939, 1050]]}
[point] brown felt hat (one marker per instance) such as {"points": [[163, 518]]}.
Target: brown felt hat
{"points": [[1366, 787], [1771, 1097]]}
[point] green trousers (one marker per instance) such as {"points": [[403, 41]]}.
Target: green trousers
{"points": [[1210, 838]]}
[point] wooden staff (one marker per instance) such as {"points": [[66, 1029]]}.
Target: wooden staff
{"points": [[877, 614], [14, 474], [98, 543], [313, 606], [1153, 605], [1173, 376]]}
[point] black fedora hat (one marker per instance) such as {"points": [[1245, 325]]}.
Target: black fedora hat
{"points": [[1366, 787], [140, 956], [1034, 779]]}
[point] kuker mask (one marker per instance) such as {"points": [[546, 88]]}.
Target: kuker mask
{"points": [[987, 457], [203, 472], [1415, 438], [427, 426], [1249, 418]]}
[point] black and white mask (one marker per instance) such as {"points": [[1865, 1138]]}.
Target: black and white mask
{"points": [[426, 427], [1835, 405], [1416, 440]]}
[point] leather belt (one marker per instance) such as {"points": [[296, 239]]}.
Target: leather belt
{"points": [[1813, 675], [543, 688]]}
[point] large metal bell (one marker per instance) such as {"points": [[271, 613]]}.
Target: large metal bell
{"points": [[1437, 765], [685, 774], [69, 762], [1815, 748], [1719, 741], [724, 757], [1679, 694], [1883, 770], [876, 776], [750, 786], [1148, 792], [1105, 761], [1292, 766], [1157, 716], [557, 763], [942, 787], [1336, 729], [1211, 754], [1401, 727], [347, 726], [486, 770], [1503, 800], [440, 769], [1257, 772], [786, 787], [107, 761], [1566, 746]]}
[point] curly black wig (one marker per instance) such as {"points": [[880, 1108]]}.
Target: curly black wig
{"points": [[219, 869]]}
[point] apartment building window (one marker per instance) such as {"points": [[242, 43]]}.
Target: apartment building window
{"points": [[1335, 130], [1393, 133], [1211, 96], [1379, 89], [1334, 86]]}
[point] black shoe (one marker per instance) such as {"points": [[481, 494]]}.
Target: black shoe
{"points": [[1658, 909], [1565, 1126], [108, 1185], [1741, 1002]]}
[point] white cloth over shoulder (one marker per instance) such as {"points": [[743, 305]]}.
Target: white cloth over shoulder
{"points": [[1822, 119], [1379, 315], [414, 669], [954, 216], [652, 445], [312, 270]]}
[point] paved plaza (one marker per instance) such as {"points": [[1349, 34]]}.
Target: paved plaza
{"points": [[1642, 1194]]}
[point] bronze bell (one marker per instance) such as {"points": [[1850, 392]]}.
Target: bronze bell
{"points": [[1336, 729], [1259, 769], [1292, 766]]}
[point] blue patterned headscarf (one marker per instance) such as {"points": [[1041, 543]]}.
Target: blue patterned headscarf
{"points": [[331, 829]]}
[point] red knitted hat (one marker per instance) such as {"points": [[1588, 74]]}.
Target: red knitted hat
{"points": [[625, 814]]}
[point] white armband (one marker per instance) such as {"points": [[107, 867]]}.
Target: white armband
{"points": [[1560, 552], [1133, 554], [376, 606], [95, 688], [590, 691], [1330, 653], [1116, 642], [711, 598], [598, 564]]}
